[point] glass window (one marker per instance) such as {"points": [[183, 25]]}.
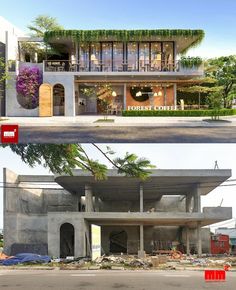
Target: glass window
{"points": [[155, 56], [107, 56], [117, 56], [132, 56], [84, 57], [95, 56], [167, 56], [144, 56]]}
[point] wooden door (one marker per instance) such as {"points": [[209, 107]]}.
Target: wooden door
{"points": [[45, 101]]}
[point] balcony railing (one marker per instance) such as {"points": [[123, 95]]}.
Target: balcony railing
{"points": [[68, 66]]}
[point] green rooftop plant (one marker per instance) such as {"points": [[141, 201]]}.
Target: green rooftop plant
{"points": [[126, 35]]}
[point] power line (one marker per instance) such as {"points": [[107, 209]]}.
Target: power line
{"points": [[115, 187]]}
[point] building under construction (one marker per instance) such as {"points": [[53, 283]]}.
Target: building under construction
{"points": [[53, 214]]}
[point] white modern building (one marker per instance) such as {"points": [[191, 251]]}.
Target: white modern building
{"points": [[122, 69]]}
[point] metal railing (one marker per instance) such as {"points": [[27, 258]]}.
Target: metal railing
{"points": [[69, 66]]}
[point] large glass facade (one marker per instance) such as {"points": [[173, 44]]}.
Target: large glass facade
{"points": [[95, 55], [134, 56], [168, 56], [106, 56], [144, 56], [118, 56], [84, 57], [155, 56]]}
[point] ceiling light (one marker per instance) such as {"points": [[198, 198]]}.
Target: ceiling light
{"points": [[160, 93], [155, 94], [114, 94], [139, 94]]}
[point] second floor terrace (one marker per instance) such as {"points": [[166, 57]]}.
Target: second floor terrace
{"points": [[120, 51]]}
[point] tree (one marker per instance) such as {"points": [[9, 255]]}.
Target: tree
{"points": [[3, 72], [3, 77], [38, 27], [215, 102], [43, 23], [223, 70], [198, 90], [63, 158]]}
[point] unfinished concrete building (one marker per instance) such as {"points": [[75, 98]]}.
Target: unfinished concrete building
{"points": [[158, 214]]}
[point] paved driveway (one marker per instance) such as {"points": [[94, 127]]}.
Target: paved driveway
{"points": [[123, 134], [104, 280]]}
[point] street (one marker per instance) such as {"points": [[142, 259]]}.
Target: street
{"points": [[123, 134], [102, 280]]}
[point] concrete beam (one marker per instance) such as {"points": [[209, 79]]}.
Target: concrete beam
{"points": [[36, 178]]}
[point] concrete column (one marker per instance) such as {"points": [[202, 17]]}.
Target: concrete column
{"points": [[141, 252], [124, 100], [175, 95], [69, 85], [188, 202], [141, 197], [197, 199], [88, 198], [76, 52], [199, 240], [164, 95], [96, 203], [187, 241], [80, 230]]}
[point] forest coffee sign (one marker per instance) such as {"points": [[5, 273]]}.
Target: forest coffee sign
{"points": [[152, 108]]}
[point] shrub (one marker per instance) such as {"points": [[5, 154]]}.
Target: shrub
{"points": [[185, 113], [28, 82], [190, 62]]}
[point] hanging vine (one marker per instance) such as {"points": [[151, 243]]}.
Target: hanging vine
{"points": [[126, 35]]}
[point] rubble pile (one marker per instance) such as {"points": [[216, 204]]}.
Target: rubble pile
{"points": [[121, 262]]}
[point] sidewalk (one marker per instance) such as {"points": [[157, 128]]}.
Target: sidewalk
{"points": [[117, 121]]}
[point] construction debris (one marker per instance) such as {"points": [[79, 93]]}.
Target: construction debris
{"points": [[162, 261]]}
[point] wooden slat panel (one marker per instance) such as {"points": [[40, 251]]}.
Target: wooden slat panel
{"points": [[45, 100]]}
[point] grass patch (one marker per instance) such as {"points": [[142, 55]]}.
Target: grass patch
{"points": [[105, 121], [185, 113]]}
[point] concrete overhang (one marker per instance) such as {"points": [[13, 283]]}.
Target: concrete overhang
{"points": [[30, 39], [129, 77], [161, 182], [153, 218]]}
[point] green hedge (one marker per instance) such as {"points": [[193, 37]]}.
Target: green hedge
{"points": [[185, 113]]}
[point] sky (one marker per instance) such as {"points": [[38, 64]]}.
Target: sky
{"points": [[216, 17], [164, 156]]}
